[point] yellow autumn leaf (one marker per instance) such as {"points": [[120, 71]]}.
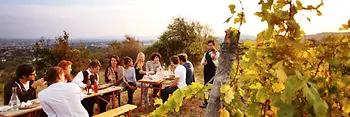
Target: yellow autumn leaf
{"points": [[281, 75], [278, 87], [224, 113]]}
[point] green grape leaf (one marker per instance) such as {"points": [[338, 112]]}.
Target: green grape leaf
{"points": [[241, 92], [321, 107], [229, 96], [228, 19], [225, 88], [285, 109], [292, 85], [255, 86], [232, 8], [224, 113], [158, 102], [253, 110], [262, 95], [178, 95], [335, 62], [311, 93], [171, 102], [238, 113]]}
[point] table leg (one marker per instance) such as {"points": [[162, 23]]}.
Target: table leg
{"points": [[113, 101], [141, 97], [118, 98]]}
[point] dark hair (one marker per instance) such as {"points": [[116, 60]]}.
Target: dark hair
{"points": [[154, 55], [52, 75], [211, 41], [110, 64], [24, 70], [95, 63], [175, 59], [127, 60], [182, 57]]}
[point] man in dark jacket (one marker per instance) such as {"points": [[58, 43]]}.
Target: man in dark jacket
{"points": [[24, 81], [189, 68]]}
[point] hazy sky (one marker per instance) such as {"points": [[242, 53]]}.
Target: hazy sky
{"points": [[97, 18]]}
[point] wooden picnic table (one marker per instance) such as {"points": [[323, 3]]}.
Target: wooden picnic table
{"points": [[99, 94], [147, 80]]}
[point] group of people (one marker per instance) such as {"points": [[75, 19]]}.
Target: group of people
{"points": [[64, 95]]}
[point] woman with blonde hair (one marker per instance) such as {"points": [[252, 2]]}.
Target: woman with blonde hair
{"points": [[140, 71], [67, 68]]}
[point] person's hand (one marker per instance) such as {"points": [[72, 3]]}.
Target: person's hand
{"points": [[151, 72], [133, 87], [38, 83], [204, 63]]}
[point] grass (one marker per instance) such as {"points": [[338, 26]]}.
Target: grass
{"points": [[190, 107]]}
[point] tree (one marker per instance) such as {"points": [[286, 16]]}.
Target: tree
{"points": [[47, 55], [182, 36], [128, 47]]}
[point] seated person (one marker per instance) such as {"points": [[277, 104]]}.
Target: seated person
{"points": [[180, 78], [67, 68], [26, 86], [114, 73], [61, 99], [129, 78], [152, 67], [188, 66], [85, 79]]}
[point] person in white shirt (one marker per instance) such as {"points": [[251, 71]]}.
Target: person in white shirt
{"points": [[61, 99], [85, 80], [180, 78]]}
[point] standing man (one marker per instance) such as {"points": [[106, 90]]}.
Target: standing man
{"points": [[188, 66], [210, 62], [24, 81], [82, 79]]}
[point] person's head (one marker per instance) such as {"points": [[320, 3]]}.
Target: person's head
{"points": [[127, 62], [155, 57], [26, 71], [182, 58], [66, 66], [94, 66], [114, 61], [174, 60], [53, 75], [140, 57], [211, 45]]}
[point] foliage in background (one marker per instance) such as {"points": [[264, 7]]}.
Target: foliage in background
{"points": [[282, 74], [47, 55], [182, 36]]}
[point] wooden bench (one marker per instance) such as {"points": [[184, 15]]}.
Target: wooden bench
{"points": [[118, 111]]}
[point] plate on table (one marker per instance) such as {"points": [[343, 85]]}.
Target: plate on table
{"points": [[4, 108], [28, 104]]}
